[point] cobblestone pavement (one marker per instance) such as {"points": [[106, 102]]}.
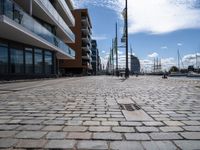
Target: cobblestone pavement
{"points": [[84, 113]]}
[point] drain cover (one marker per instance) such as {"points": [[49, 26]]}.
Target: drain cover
{"points": [[129, 107]]}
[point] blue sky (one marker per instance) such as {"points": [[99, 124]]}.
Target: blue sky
{"points": [[157, 28]]}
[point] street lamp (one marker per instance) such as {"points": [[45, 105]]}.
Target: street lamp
{"points": [[125, 36]]}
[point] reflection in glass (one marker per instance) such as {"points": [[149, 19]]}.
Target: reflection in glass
{"points": [[48, 62], [28, 61], [38, 61], [17, 61], [3, 60]]}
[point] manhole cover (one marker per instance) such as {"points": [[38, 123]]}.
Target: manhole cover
{"points": [[129, 107]]}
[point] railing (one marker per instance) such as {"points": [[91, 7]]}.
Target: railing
{"points": [[63, 2], [49, 7], [10, 9]]}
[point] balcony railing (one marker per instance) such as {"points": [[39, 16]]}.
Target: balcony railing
{"points": [[11, 10], [68, 12], [51, 10]]}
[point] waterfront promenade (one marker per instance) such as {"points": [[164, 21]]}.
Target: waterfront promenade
{"points": [[144, 113]]}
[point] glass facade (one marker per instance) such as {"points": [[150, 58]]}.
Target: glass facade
{"points": [[10, 9], [3, 59], [17, 61], [28, 60], [22, 60], [38, 61], [48, 62]]}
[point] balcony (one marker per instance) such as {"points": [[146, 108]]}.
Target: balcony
{"points": [[44, 10], [86, 48], [86, 39], [86, 57], [86, 30], [64, 10], [17, 25]]}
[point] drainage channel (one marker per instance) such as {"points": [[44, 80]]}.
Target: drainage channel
{"points": [[132, 111]]}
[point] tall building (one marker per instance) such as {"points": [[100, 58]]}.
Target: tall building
{"points": [[96, 61], [135, 65], [33, 37], [82, 46]]}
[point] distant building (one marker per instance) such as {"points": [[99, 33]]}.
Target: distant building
{"points": [[82, 46], [135, 65], [96, 61], [34, 36]]}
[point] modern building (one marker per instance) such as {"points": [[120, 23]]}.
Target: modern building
{"points": [[135, 65], [96, 61], [34, 36], [82, 46]]}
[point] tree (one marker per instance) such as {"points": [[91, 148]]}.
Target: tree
{"points": [[173, 69]]}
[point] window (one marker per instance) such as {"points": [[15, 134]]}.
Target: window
{"points": [[1, 6], [48, 62], [38, 61], [17, 61], [3, 59], [28, 60]]}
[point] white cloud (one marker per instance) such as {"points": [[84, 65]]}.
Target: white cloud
{"points": [[103, 52], [154, 16], [191, 59], [153, 55], [179, 44], [164, 47], [99, 37]]}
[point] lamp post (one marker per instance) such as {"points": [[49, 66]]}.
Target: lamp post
{"points": [[126, 33]]}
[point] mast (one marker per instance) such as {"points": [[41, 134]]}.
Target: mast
{"points": [[178, 59]]}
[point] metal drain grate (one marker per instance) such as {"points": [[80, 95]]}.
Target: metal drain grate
{"points": [[129, 107]]}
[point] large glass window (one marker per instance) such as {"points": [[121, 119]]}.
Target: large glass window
{"points": [[8, 8], [38, 61], [28, 60], [3, 59], [48, 62], [17, 61]]}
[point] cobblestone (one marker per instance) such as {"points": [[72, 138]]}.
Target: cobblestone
{"points": [[83, 113]]}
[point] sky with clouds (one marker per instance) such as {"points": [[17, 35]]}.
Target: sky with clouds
{"points": [[157, 28]]}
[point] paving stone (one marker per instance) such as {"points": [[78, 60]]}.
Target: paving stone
{"points": [[8, 127], [109, 123], [147, 129], [30, 127], [75, 128], [107, 136], [126, 145], [7, 142], [123, 129], [159, 145], [153, 123], [61, 144], [137, 136], [91, 123], [6, 134], [99, 128], [192, 128], [79, 135], [28, 144], [173, 123], [188, 144], [56, 135], [131, 124], [30, 134], [74, 122], [191, 135], [94, 145], [53, 128], [171, 129], [165, 136], [192, 123]]}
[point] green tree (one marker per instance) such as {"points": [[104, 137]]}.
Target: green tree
{"points": [[173, 69]]}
